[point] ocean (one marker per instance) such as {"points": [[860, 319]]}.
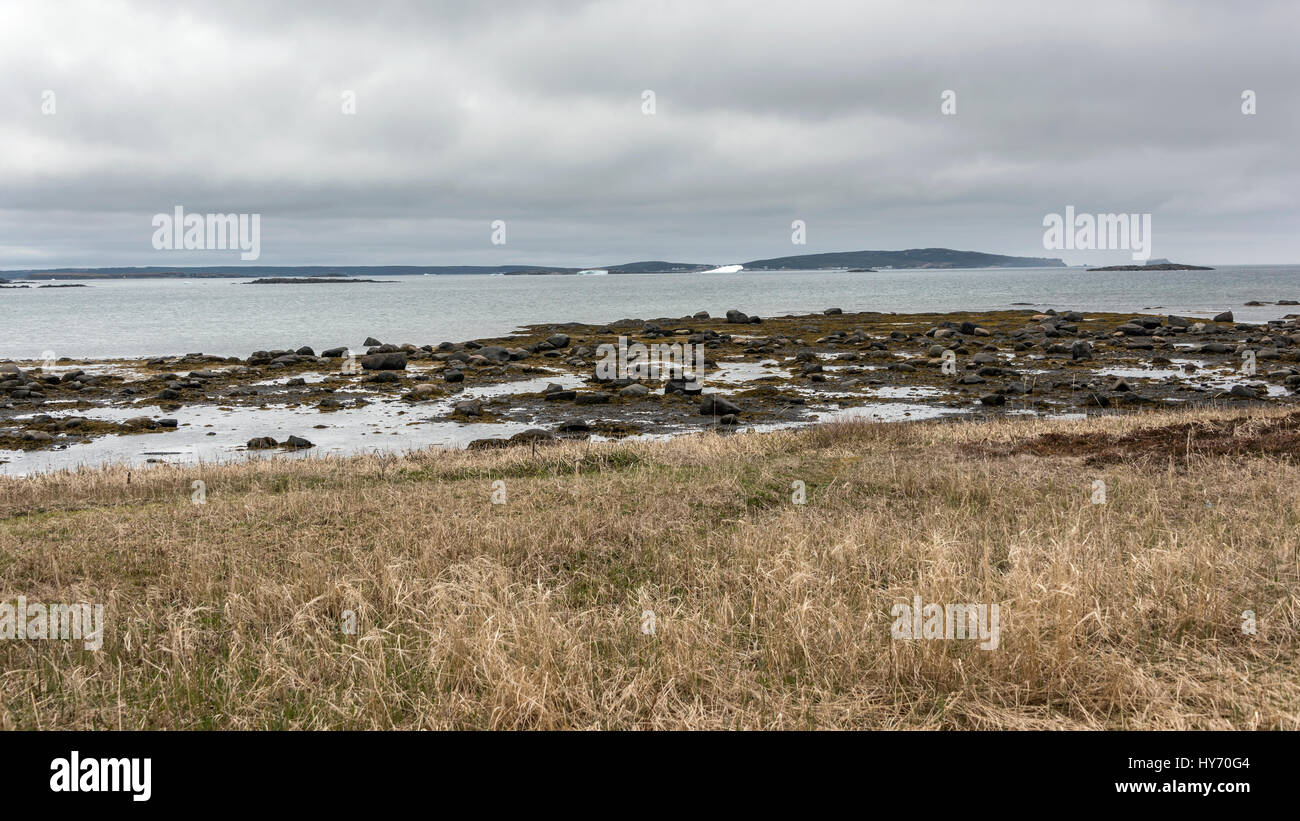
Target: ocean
{"points": [[150, 317]]}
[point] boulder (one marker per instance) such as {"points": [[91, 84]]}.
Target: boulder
{"points": [[533, 435], [715, 405], [394, 361]]}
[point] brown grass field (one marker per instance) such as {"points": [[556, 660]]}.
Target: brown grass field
{"points": [[768, 614]]}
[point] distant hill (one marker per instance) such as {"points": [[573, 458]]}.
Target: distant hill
{"points": [[271, 270], [913, 258], [654, 267]]}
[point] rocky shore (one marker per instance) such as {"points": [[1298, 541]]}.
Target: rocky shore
{"points": [[543, 382]]}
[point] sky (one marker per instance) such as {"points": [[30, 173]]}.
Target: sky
{"points": [[595, 133]]}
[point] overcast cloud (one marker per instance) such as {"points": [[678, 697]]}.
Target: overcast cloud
{"points": [[531, 112]]}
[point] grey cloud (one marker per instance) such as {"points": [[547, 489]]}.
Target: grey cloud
{"points": [[531, 113]]}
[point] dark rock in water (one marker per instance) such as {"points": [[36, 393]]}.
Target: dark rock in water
{"points": [[533, 435], [167, 423], [384, 362], [1081, 350], [296, 382], [560, 395], [262, 443], [453, 375], [305, 350], [714, 405], [370, 341], [1226, 316], [168, 393], [737, 317], [573, 427], [599, 398], [558, 340], [992, 399], [334, 353], [833, 311], [682, 386], [297, 442]]}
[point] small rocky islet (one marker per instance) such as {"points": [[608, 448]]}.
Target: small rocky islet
{"points": [[759, 373]]}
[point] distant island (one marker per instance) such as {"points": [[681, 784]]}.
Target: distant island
{"points": [[914, 258], [331, 280], [856, 261], [1163, 266]]}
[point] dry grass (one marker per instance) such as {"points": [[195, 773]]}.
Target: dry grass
{"points": [[768, 614]]}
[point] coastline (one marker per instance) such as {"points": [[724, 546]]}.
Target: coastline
{"points": [[543, 383]]}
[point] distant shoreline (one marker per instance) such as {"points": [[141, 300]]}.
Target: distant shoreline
{"points": [[310, 281], [915, 258]]}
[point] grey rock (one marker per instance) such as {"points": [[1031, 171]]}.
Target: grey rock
{"points": [[715, 405]]}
